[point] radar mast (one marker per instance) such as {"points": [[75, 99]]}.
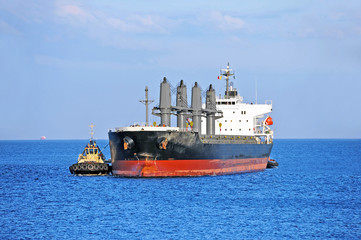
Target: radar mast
{"points": [[227, 73], [146, 102]]}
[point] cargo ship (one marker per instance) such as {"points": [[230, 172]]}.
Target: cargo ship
{"points": [[223, 135]]}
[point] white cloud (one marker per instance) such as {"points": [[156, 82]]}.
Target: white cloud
{"points": [[138, 24], [226, 22], [124, 22], [73, 11], [5, 27], [119, 24], [152, 22]]}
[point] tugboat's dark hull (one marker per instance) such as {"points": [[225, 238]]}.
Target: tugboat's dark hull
{"points": [[90, 168], [141, 154]]}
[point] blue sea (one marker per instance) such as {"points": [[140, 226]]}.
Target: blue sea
{"points": [[315, 193]]}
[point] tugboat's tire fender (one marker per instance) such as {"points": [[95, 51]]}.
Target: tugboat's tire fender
{"points": [[90, 167], [106, 167], [75, 168], [96, 167], [83, 167], [101, 167]]}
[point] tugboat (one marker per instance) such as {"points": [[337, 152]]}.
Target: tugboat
{"points": [[91, 161]]}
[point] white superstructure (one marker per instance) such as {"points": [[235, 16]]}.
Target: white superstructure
{"points": [[240, 118]]}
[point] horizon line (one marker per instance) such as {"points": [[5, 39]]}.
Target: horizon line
{"points": [[81, 139]]}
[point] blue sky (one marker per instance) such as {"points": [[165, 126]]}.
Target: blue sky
{"points": [[66, 64]]}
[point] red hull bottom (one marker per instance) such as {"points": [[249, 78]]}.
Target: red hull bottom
{"points": [[180, 168]]}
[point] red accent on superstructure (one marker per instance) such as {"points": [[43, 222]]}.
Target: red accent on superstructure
{"points": [[178, 168], [269, 121]]}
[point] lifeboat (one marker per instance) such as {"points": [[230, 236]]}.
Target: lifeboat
{"points": [[269, 121]]}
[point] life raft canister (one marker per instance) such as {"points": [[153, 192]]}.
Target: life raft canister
{"points": [[269, 120]]}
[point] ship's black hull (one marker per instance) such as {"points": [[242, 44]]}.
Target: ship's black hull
{"points": [[175, 153]]}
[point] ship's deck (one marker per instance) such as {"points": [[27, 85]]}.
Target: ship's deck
{"points": [[146, 128]]}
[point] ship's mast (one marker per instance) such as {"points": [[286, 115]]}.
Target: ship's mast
{"points": [[91, 131], [146, 102], [227, 73]]}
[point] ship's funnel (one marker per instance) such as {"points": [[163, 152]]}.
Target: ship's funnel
{"points": [[197, 107], [182, 105], [165, 102], [211, 105]]}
